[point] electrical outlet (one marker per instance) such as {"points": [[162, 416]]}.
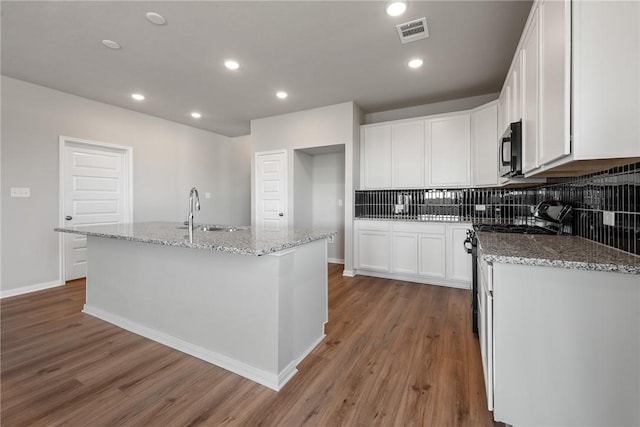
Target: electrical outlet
{"points": [[340, 202], [20, 192], [609, 218]]}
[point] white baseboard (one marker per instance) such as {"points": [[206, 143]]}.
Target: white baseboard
{"points": [[348, 273], [438, 281], [31, 288], [267, 379], [335, 261]]}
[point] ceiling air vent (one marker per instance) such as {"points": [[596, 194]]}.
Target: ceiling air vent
{"points": [[413, 30]]}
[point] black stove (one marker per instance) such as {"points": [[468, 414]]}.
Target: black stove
{"points": [[513, 228]]}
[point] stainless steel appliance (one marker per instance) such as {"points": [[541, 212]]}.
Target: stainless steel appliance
{"points": [[510, 151]]}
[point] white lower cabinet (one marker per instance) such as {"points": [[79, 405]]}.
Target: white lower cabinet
{"points": [[413, 251], [404, 253], [431, 260], [458, 260], [561, 346], [372, 245]]}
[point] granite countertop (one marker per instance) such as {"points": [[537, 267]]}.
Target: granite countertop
{"points": [[419, 218], [242, 240], [556, 251]]}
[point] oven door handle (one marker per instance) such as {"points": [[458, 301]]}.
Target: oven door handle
{"points": [[502, 160], [469, 247]]}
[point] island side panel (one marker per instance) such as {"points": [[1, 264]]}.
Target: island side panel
{"points": [[303, 301], [311, 304], [223, 306]]}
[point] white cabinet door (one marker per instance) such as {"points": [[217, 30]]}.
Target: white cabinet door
{"points": [[448, 140], [431, 250], [530, 100], [555, 69], [404, 253], [484, 145], [458, 260], [503, 112], [408, 155], [376, 157], [513, 88], [373, 250]]}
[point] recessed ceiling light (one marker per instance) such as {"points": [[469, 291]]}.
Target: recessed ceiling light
{"points": [[156, 18], [231, 64], [415, 63], [111, 44], [396, 7], [196, 115], [282, 94], [137, 96]]}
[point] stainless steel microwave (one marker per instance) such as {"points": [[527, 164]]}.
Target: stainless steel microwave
{"points": [[510, 151]]}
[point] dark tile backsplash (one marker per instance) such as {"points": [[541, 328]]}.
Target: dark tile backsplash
{"points": [[616, 190]]}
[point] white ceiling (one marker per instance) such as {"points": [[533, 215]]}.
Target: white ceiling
{"points": [[320, 52]]}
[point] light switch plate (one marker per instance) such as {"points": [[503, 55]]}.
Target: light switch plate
{"points": [[481, 208], [20, 192], [331, 239], [609, 218], [207, 195]]}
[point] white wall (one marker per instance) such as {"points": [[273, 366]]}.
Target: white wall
{"points": [[168, 159], [303, 189], [429, 109], [327, 188], [319, 127]]}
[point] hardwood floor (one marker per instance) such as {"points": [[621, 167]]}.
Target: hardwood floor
{"points": [[396, 354]]}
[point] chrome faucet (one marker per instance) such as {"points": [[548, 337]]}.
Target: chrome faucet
{"points": [[193, 193]]}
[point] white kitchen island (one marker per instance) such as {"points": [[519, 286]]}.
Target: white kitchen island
{"points": [[250, 301]]}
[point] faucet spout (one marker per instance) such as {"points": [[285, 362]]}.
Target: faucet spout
{"points": [[193, 196]]}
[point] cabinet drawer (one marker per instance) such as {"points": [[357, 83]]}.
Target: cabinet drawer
{"points": [[373, 225], [416, 227]]}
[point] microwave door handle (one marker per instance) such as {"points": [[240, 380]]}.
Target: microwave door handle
{"points": [[503, 161]]}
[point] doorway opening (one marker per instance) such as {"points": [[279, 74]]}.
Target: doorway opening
{"points": [[319, 193]]}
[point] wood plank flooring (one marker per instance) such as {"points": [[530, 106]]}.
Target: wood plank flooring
{"points": [[396, 354]]}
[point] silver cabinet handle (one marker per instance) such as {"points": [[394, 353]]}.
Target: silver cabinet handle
{"points": [[68, 217]]}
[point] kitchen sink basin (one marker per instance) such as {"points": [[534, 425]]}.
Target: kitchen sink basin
{"points": [[207, 228]]}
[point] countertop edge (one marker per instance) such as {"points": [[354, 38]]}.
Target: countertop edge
{"points": [[212, 248]]}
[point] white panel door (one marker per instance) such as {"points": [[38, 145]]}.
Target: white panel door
{"points": [[405, 253], [408, 155], [376, 157], [95, 192], [431, 250], [271, 190], [449, 142]]}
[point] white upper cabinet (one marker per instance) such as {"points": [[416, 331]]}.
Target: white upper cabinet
{"points": [[408, 154], [484, 145], [555, 46], [376, 157], [606, 79], [393, 155], [448, 142], [530, 99], [580, 71]]}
